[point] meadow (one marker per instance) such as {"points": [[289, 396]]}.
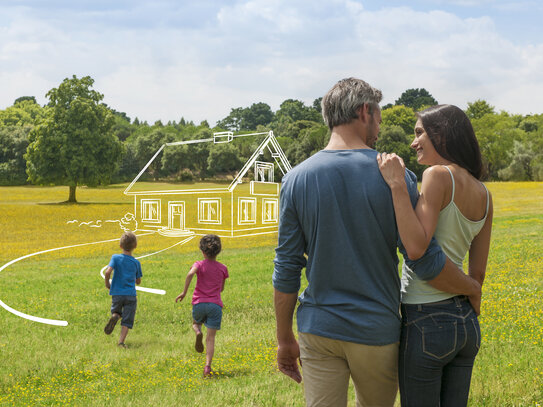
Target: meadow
{"points": [[44, 365]]}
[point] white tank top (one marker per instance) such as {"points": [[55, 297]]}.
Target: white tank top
{"points": [[454, 233]]}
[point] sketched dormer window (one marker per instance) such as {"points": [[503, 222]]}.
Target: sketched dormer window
{"points": [[263, 171]]}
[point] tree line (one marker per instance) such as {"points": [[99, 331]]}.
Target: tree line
{"points": [[75, 139]]}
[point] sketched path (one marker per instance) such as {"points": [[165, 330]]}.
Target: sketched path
{"points": [[65, 323], [153, 290]]}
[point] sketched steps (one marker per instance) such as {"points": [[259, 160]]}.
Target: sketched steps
{"points": [[175, 232]]}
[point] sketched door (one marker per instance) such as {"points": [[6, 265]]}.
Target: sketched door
{"points": [[176, 218]]}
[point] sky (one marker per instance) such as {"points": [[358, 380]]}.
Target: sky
{"points": [[167, 59]]}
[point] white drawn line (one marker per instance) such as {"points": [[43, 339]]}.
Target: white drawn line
{"points": [[38, 319], [153, 290], [30, 317]]}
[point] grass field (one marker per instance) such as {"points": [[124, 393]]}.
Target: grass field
{"points": [[79, 365]]}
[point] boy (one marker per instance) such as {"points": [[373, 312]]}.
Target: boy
{"points": [[123, 286]]}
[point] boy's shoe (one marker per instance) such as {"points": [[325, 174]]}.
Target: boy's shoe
{"points": [[111, 323], [122, 345], [199, 345], [207, 371]]}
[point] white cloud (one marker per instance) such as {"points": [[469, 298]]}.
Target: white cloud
{"points": [[166, 60]]}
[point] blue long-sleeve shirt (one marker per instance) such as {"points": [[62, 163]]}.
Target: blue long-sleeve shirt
{"points": [[336, 209]]}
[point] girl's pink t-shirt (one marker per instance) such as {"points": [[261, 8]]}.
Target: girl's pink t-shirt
{"points": [[210, 277]]}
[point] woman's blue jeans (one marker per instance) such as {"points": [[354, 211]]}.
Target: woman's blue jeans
{"points": [[438, 345]]}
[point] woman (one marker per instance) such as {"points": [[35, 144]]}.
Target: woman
{"points": [[440, 332]]}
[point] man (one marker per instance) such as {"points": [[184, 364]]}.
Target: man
{"points": [[337, 209]]}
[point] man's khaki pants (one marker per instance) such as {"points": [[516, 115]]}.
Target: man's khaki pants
{"points": [[327, 365]]}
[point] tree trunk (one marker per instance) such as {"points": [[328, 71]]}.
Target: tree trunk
{"points": [[72, 194]]}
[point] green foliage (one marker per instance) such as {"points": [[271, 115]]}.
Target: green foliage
{"points": [[402, 116], [526, 160], [317, 105], [200, 153], [292, 129], [416, 99], [392, 139], [13, 145], [74, 144], [256, 115], [520, 167], [24, 112], [478, 109], [175, 159], [293, 110], [223, 158], [310, 140], [129, 166], [24, 98], [232, 122], [67, 126], [147, 145], [496, 134], [249, 118]]}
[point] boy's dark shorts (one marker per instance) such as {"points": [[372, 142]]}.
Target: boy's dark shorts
{"points": [[208, 313], [125, 306]]}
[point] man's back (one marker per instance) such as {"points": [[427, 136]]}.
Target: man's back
{"points": [[336, 207]]}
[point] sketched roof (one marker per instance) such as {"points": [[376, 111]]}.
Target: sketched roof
{"points": [[269, 142]]}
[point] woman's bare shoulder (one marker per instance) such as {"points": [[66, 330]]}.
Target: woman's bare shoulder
{"points": [[436, 173]]}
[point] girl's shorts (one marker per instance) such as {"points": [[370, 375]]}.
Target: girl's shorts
{"points": [[208, 313]]}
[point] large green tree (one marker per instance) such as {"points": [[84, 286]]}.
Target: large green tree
{"points": [[416, 99], [74, 145], [248, 118], [25, 111], [478, 109], [295, 110]]}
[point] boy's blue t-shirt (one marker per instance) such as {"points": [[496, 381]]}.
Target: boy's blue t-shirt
{"points": [[126, 269]]}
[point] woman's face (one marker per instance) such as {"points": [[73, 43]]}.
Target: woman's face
{"points": [[426, 153]]}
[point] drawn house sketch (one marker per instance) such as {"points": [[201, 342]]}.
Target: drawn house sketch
{"points": [[249, 205]]}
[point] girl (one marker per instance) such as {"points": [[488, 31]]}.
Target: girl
{"points": [[206, 299]]}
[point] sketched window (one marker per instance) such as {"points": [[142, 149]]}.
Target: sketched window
{"points": [[150, 210], [269, 210], [246, 210], [209, 210]]}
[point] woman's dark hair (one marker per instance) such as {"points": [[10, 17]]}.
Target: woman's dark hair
{"points": [[453, 137], [210, 245]]}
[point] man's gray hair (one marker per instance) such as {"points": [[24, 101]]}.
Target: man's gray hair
{"points": [[340, 104]]}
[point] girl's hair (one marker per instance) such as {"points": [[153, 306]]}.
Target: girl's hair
{"points": [[210, 245], [452, 135], [129, 241]]}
